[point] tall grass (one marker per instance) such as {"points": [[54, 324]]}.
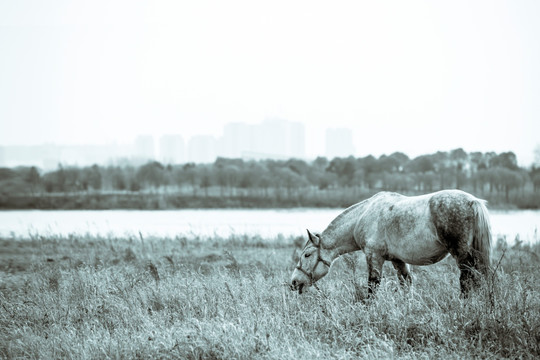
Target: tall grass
{"points": [[194, 298]]}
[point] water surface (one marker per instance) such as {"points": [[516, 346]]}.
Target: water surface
{"points": [[207, 222]]}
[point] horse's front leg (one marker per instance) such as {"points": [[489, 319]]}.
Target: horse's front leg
{"points": [[375, 264]]}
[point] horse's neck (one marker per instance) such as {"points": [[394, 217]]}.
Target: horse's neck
{"points": [[339, 235]]}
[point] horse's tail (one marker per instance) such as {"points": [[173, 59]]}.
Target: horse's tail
{"points": [[481, 242]]}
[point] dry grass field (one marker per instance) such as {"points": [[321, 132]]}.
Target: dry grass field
{"points": [[84, 297]]}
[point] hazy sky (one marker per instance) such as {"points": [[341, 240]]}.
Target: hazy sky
{"points": [[411, 76]]}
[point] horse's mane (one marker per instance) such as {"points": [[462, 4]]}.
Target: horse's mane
{"points": [[337, 221]]}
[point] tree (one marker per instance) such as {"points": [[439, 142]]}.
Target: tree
{"points": [[11, 182], [320, 177], [494, 179], [206, 181], [510, 179], [401, 159], [92, 178], [391, 181], [325, 180], [388, 164], [458, 155], [535, 177], [228, 173], [506, 160], [33, 179], [63, 179], [255, 176], [60, 178], [291, 180], [151, 174], [321, 163], [188, 174], [298, 166], [459, 159], [115, 178], [369, 164], [478, 161], [344, 168], [370, 167], [421, 164], [480, 178]]}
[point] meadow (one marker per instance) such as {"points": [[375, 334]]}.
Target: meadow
{"points": [[87, 297]]}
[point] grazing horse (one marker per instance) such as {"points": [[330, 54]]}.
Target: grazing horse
{"points": [[417, 230]]}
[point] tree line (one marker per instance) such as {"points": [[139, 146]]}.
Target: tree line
{"points": [[489, 175]]}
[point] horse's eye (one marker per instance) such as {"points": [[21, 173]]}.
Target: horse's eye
{"points": [[307, 255]]}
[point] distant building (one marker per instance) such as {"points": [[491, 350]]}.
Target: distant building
{"points": [[20, 155], [237, 139], [271, 139], [202, 149], [297, 140], [84, 155], [339, 143], [289, 137], [144, 147], [171, 149], [48, 156]]}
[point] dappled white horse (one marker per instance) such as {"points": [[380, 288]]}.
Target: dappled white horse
{"points": [[417, 230]]}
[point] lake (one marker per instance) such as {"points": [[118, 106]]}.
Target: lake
{"points": [[207, 222]]}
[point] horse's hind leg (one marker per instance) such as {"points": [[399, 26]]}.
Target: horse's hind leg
{"points": [[468, 267], [402, 272], [469, 274]]}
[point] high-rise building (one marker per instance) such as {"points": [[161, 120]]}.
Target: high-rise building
{"points": [[144, 147], [297, 140], [171, 149], [48, 156], [202, 149], [238, 138], [273, 138], [339, 143]]}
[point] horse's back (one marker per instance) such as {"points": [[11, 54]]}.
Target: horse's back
{"points": [[409, 228]]}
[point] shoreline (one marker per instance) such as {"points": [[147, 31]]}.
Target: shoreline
{"points": [[178, 201]]}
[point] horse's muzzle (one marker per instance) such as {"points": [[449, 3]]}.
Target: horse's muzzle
{"points": [[296, 285]]}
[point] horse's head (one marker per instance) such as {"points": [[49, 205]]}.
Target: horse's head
{"points": [[311, 266]]}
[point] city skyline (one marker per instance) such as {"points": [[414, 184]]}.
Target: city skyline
{"points": [[223, 146], [273, 138], [415, 77]]}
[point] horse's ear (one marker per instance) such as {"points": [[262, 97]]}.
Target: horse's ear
{"points": [[313, 238]]}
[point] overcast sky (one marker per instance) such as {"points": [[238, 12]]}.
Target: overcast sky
{"points": [[411, 76]]}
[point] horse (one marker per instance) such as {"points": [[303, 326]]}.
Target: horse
{"points": [[416, 230]]}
